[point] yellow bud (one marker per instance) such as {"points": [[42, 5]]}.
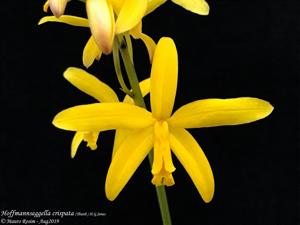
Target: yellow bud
{"points": [[58, 7], [102, 23]]}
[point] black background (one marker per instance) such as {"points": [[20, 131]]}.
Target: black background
{"points": [[243, 48]]}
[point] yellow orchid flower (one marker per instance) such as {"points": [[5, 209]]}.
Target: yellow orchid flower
{"points": [[100, 91], [91, 51], [101, 20], [161, 130]]}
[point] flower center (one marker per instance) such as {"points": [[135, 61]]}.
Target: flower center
{"points": [[162, 166]]}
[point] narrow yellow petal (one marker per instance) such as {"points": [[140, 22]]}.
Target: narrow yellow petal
{"points": [[91, 52], [193, 159], [145, 89], [102, 23], [131, 14], [129, 156], [46, 6], [103, 116], [90, 85], [196, 6], [70, 20], [163, 77], [58, 7], [77, 139], [136, 32], [220, 112], [150, 45], [120, 136], [154, 4]]}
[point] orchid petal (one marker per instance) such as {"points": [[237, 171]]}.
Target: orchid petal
{"points": [[196, 6], [129, 156], [136, 32], [77, 139], [164, 74], [90, 85], [103, 116], [90, 53], [154, 4], [220, 112], [70, 20], [193, 159], [46, 6], [131, 14], [120, 136]]}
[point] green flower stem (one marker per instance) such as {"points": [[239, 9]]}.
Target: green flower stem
{"points": [[132, 77], [117, 65], [163, 204], [129, 46], [139, 100]]}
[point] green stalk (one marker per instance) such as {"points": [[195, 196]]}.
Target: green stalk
{"points": [[117, 65], [139, 101], [129, 46], [132, 77]]}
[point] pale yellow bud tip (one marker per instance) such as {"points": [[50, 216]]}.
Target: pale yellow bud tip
{"points": [[58, 7]]}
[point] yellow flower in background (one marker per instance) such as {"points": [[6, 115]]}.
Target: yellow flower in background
{"points": [[161, 130], [103, 25], [196, 6], [101, 18], [100, 91], [91, 51]]}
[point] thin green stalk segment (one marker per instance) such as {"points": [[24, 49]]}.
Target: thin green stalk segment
{"points": [[129, 46], [163, 205], [139, 101], [132, 77], [118, 70]]}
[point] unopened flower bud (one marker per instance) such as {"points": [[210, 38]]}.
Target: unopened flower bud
{"points": [[102, 23], [58, 7]]}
